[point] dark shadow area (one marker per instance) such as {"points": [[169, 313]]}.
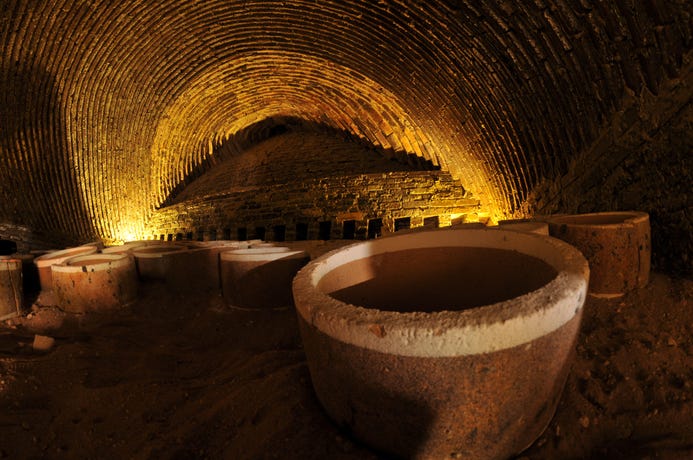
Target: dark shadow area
{"points": [[7, 247], [40, 189]]}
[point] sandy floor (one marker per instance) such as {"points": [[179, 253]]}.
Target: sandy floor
{"points": [[183, 377]]}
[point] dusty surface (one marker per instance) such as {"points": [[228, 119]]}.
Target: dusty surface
{"points": [[188, 377]]}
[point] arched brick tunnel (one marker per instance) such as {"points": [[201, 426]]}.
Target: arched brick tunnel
{"points": [[331, 119], [110, 109]]}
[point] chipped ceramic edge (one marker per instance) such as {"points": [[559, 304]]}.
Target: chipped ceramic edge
{"points": [[472, 331]]}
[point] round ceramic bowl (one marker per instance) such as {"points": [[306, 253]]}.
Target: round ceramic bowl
{"points": [[443, 344], [45, 261], [152, 260], [616, 245], [95, 282], [11, 288], [260, 277]]}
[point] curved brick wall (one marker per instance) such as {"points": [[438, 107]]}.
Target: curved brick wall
{"points": [[308, 177], [108, 107]]}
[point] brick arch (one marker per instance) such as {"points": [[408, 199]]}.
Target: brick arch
{"points": [[504, 95]]}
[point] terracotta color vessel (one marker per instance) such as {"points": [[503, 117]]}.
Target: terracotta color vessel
{"points": [[152, 260], [452, 343], [616, 245], [261, 277], [30, 274], [11, 289], [521, 225], [45, 261], [198, 268], [95, 282]]}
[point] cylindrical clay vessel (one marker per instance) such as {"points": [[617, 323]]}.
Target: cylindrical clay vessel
{"points": [[443, 344], [11, 290], [197, 269], [522, 225], [261, 277], [45, 261], [95, 282], [616, 245], [152, 260]]}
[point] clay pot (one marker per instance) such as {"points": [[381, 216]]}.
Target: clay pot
{"points": [[152, 261], [521, 225], [198, 268], [45, 261], [616, 245], [95, 282], [261, 277], [11, 290], [227, 244], [30, 276], [443, 344]]}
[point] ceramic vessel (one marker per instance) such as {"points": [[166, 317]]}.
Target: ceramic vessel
{"points": [[260, 277], [616, 245], [45, 261], [197, 268], [444, 344], [11, 289], [95, 282], [152, 260]]}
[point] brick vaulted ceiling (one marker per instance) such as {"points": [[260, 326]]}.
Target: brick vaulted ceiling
{"points": [[106, 106]]}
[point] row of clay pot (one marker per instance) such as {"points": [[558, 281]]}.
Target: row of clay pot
{"points": [[616, 245], [250, 274]]}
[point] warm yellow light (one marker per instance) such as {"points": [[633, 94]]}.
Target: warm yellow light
{"points": [[127, 232]]}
